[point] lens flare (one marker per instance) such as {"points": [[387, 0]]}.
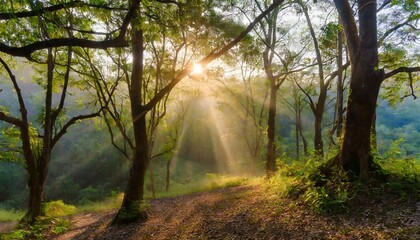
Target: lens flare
{"points": [[197, 69]]}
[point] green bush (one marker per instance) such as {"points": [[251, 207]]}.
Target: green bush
{"points": [[58, 208], [321, 194], [135, 212], [44, 226]]}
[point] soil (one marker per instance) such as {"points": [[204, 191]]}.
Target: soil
{"points": [[248, 212]]}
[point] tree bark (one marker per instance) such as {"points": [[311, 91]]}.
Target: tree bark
{"points": [[318, 109], [133, 197], [271, 145], [340, 86], [36, 191], [168, 165], [355, 153]]}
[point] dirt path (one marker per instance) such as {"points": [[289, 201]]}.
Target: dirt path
{"points": [[246, 212], [6, 227]]}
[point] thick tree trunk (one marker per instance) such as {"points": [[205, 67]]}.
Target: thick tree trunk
{"points": [[271, 145], [355, 153], [36, 192]]}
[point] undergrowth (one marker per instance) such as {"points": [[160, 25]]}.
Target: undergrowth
{"points": [[209, 182], [10, 215], [305, 181]]}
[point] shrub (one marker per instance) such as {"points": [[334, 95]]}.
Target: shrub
{"points": [[58, 208]]}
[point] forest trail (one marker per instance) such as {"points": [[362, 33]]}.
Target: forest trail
{"points": [[252, 212]]}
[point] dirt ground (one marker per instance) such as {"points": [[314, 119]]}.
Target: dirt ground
{"points": [[246, 212]]}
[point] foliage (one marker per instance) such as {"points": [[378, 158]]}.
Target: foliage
{"points": [[135, 212], [43, 228], [109, 203], [321, 194], [403, 173], [10, 215], [58, 208], [210, 181]]}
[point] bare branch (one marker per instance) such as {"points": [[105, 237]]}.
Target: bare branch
{"points": [[27, 50], [12, 120], [72, 122], [22, 106], [335, 73], [400, 70], [393, 29], [311, 102]]}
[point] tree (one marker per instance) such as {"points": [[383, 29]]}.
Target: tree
{"points": [[131, 209], [47, 32], [318, 106], [366, 78], [278, 62]]}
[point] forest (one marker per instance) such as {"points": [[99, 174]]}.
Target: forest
{"points": [[209, 119]]}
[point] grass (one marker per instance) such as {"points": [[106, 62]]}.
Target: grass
{"points": [[11, 215], [208, 183], [58, 208], [107, 204]]}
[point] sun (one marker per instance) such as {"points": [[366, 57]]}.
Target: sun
{"points": [[197, 69]]}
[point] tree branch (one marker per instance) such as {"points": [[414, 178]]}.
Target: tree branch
{"points": [[349, 25], [393, 29], [311, 102], [400, 70], [12, 120], [54, 8], [208, 59], [34, 13], [335, 73], [70, 123], [117, 42], [22, 107], [27, 50]]}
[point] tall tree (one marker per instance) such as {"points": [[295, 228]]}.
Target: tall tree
{"points": [[366, 78], [48, 33], [131, 209]]}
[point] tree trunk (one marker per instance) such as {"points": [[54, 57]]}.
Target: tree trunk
{"points": [[340, 86], [36, 192], [168, 165], [271, 145], [355, 153], [38, 172], [152, 180], [305, 144], [131, 210], [318, 109], [318, 142], [297, 134]]}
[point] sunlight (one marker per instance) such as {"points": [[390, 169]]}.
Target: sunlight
{"points": [[197, 69]]}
